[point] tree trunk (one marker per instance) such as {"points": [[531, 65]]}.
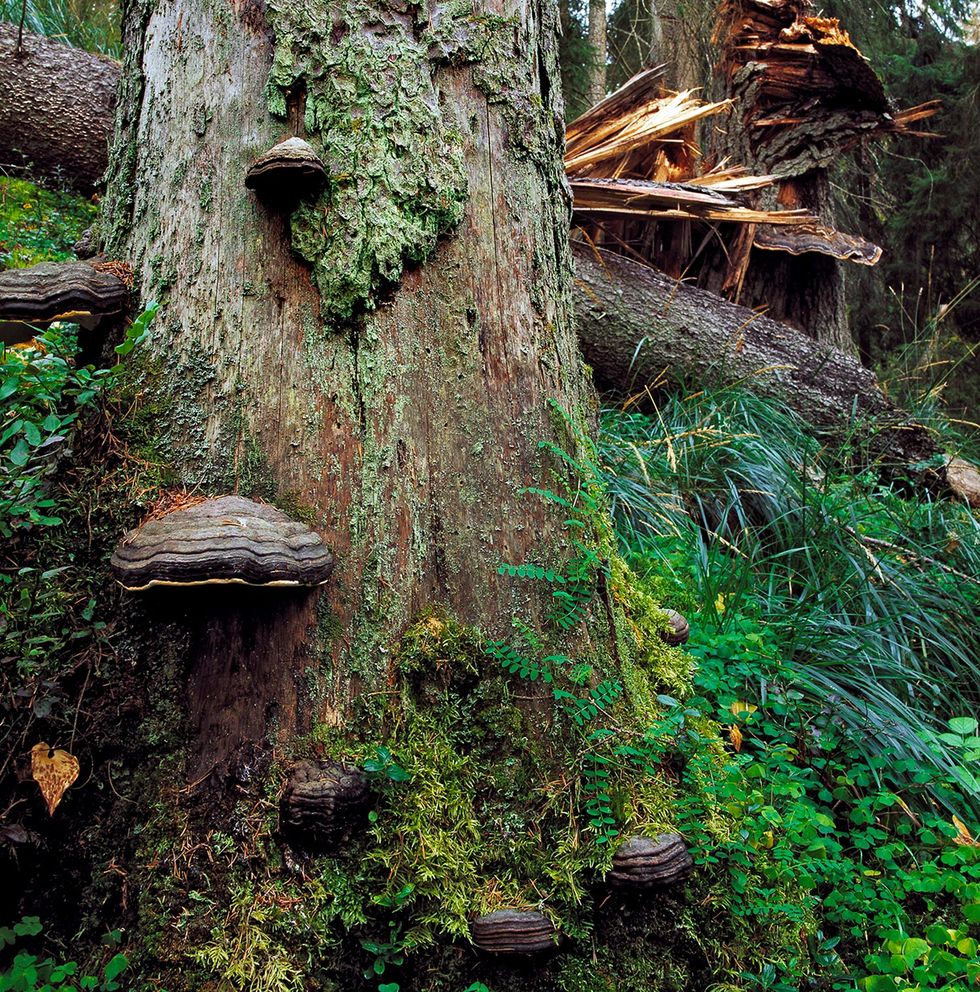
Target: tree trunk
{"points": [[56, 111], [378, 360], [597, 41], [392, 361], [638, 327], [309, 357]]}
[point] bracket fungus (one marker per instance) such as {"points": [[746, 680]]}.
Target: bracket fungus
{"points": [[512, 931], [225, 540], [322, 801], [680, 629], [645, 862], [41, 294], [287, 172]]}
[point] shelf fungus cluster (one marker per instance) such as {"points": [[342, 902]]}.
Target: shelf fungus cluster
{"points": [[650, 862], [680, 629], [223, 540], [322, 802], [512, 931], [287, 172]]}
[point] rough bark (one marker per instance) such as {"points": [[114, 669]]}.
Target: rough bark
{"points": [[638, 326], [56, 111], [400, 404]]}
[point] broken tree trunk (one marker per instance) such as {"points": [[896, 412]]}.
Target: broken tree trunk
{"points": [[802, 95], [637, 326], [57, 108]]}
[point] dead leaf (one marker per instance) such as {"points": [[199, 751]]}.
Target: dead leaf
{"points": [[738, 708], [735, 736], [963, 836], [54, 771]]}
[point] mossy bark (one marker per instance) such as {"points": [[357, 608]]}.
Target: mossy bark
{"points": [[379, 360]]}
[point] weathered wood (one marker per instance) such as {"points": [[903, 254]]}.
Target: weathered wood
{"points": [[802, 96], [637, 327], [56, 111], [50, 291], [221, 541], [964, 480]]}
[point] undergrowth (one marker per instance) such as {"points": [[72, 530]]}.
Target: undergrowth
{"points": [[833, 620], [39, 225]]}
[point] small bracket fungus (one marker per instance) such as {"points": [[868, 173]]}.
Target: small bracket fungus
{"points": [[644, 862], [287, 172], [322, 802], [511, 931], [680, 629], [223, 540]]}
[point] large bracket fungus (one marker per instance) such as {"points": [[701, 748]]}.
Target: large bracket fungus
{"points": [[321, 802], [41, 294], [223, 540], [287, 172], [512, 931], [645, 862]]}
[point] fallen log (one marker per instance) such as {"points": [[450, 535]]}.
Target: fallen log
{"points": [[637, 327], [57, 108]]}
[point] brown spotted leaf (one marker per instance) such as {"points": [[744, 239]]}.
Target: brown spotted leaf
{"points": [[54, 771]]}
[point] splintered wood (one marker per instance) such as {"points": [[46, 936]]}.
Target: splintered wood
{"points": [[804, 93]]}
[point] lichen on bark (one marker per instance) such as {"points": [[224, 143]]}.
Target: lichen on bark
{"points": [[396, 175]]}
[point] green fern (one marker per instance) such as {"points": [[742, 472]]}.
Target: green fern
{"points": [[517, 664], [529, 571], [598, 804]]}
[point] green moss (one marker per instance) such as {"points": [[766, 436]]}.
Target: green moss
{"points": [[39, 225], [397, 180]]}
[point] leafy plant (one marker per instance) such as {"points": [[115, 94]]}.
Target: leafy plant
{"points": [[870, 596], [42, 395], [30, 973], [388, 953]]}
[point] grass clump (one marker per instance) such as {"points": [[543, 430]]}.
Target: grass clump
{"points": [[93, 25]]}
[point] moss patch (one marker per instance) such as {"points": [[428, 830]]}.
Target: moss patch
{"points": [[396, 171]]}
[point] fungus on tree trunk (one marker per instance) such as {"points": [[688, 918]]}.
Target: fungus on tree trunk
{"points": [[223, 540], [37, 296], [322, 802], [287, 172], [645, 862], [680, 629]]}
